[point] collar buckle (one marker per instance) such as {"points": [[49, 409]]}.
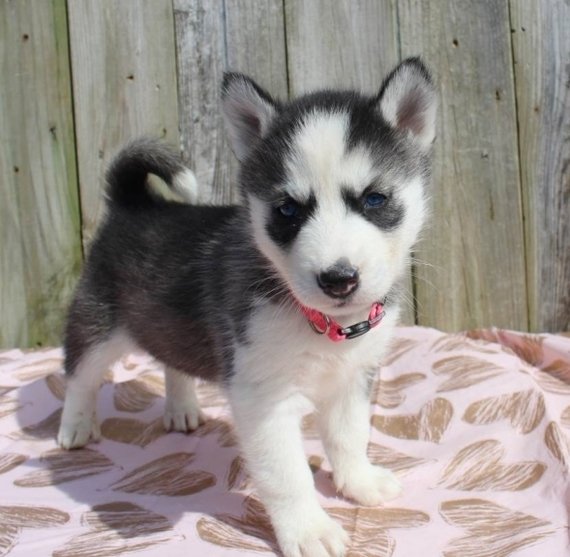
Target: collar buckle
{"points": [[356, 330]]}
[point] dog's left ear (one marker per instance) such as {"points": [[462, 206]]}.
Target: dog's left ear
{"points": [[248, 111], [407, 101]]}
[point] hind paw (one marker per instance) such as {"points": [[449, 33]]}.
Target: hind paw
{"points": [[184, 417]]}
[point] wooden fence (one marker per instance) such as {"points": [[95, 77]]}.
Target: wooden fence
{"points": [[79, 78]]}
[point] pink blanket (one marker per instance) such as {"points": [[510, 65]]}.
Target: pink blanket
{"points": [[475, 425]]}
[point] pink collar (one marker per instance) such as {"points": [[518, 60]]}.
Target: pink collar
{"points": [[322, 324]]}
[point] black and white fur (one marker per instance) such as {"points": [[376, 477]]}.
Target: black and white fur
{"points": [[213, 292]]}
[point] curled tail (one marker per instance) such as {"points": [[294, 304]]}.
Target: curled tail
{"points": [[127, 183]]}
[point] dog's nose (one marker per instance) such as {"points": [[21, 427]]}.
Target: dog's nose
{"points": [[339, 281]]}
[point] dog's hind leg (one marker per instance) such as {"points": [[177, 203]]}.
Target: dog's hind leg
{"points": [[84, 377], [182, 412]]}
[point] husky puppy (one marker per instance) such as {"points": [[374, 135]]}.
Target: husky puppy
{"points": [[289, 300]]}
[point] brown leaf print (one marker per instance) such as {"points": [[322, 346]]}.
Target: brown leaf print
{"points": [[524, 410], [39, 369], [464, 371], [5, 390], [428, 425], [491, 529], [367, 528], [136, 395], [8, 406], [559, 369], [309, 427], [391, 459], [9, 461], [527, 347], [398, 348], [224, 430], [460, 342], [219, 532], [8, 538], [117, 528], [210, 394], [62, 466], [557, 443], [14, 518], [131, 431], [237, 474], [45, 429], [166, 476], [388, 393], [56, 384], [251, 531], [32, 516], [565, 417], [549, 382], [478, 467]]}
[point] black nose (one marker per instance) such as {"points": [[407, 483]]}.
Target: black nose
{"points": [[338, 281]]}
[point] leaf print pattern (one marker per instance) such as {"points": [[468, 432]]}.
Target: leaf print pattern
{"points": [[398, 348], [137, 395], [142, 491], [565, 417], [166, 476], [486, 524], [463, 371], [557, 443], [250, 531], [391, 459], [14, 518], [56, 384], [117, 528], [389, 393], [524, 410], [39, 369], [479, 467], [428, 425], [8, 406], [9, 461], [64, 466], [131, 431], [368, 528], [46, 429]]}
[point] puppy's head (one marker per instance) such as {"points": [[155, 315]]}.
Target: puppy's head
{"points": [[335, 182]]}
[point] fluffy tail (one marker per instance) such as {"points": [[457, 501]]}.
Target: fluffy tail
{"points": [[127, 183]]}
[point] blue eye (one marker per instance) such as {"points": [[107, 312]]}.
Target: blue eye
{"points": [[374, 200], [288, 209]]}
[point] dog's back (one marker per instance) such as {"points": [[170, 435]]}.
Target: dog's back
{"points": [[148, 275]]}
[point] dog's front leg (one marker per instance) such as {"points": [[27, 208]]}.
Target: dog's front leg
{"points": [[343, 419], [270, 436]]}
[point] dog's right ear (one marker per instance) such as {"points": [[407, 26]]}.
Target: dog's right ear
{"points": [[248, 111]]}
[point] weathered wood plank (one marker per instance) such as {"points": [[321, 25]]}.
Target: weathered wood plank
{"points": [[541, 45], [344, 44], [475, 242], [247, 37], [256, 43], [39, 213], [124, 84], [201, 56]]}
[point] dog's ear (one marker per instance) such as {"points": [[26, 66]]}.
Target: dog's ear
{"points": [[248, 111], [407, 101]]}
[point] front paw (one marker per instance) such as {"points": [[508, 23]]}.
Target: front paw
{"points": [[310, 534], [77, 431], [370, 485]]}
